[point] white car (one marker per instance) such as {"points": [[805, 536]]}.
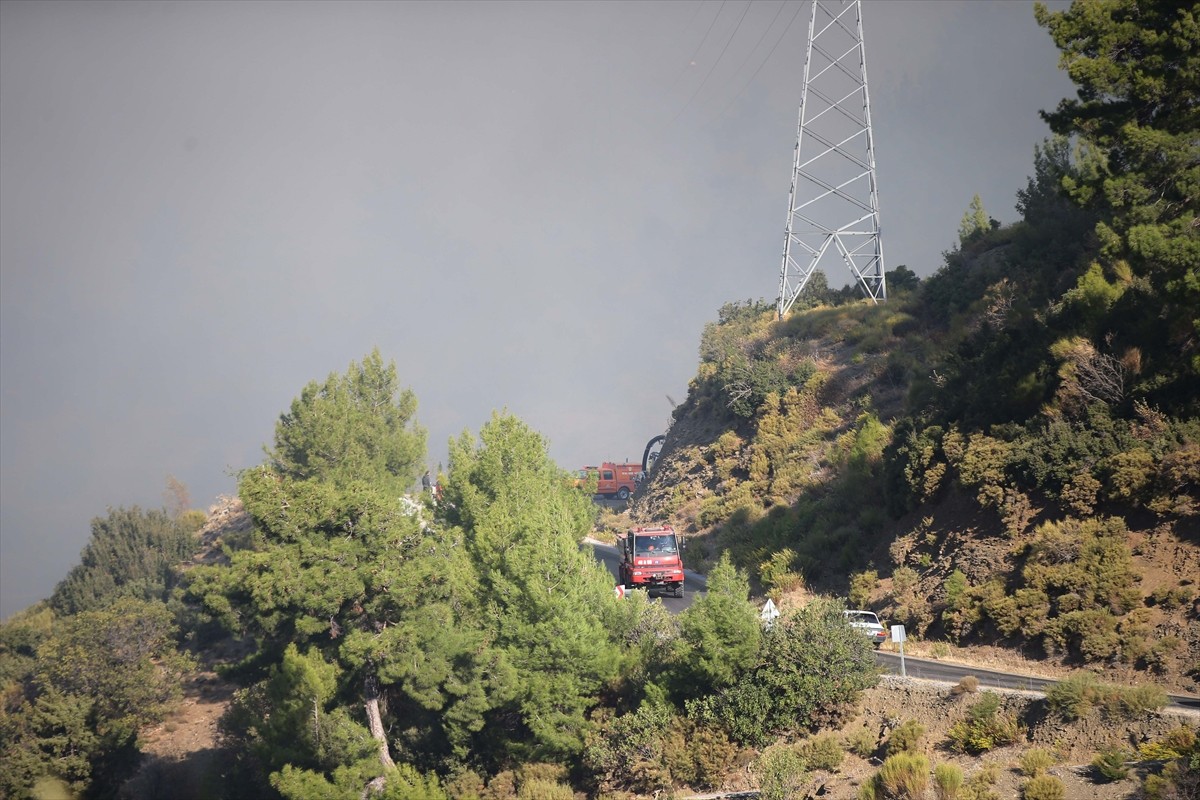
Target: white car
{"points": [[868, 623]]}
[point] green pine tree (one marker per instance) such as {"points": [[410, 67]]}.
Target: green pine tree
{"points": [[353, 427], [1137, 69], [720, 633], [544, 601], [338, 564], [974, 221], [131, 553]]}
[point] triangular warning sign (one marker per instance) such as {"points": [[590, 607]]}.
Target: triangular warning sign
{"points": [[769, 611]]}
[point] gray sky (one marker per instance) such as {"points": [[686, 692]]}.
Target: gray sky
{"points": [[531, 206]]}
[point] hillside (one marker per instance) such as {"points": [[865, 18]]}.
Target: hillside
{"points": [[1008, 451], [830, 519]]}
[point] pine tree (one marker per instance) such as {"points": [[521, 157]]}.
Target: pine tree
{"points": [[974, 221], [543, 599], [353, 427], [1137, 69], [719, 633], [99, 678], [131, 553], [338, 564]]}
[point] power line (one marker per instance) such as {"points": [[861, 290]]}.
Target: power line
{"points": [[687, 65], [746, 86], [715, 63], [766, 30]]}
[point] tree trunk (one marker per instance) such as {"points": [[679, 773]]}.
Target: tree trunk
{"points": [[374, 720]]}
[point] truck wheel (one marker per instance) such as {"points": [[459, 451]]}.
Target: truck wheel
{"points": [[623, 493], [679, 591]]}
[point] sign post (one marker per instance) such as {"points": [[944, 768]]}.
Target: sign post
{"points": [[898, 636]]}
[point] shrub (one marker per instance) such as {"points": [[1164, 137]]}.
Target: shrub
{"points": [[982, 467], [698, 755], [905, 581], [979, 787], [1171, 599], [1043, 787], [978, 791], [988, 774], [781, 773], [1109, 766], [985, 727], [967, 684], [904, 776], [870, 789], [862, 587], [192, 520], [947, 781], [823, 752], [776, 572], [906, 738], [1130, 476], [1180, 780], [920, 469], [1175, 744], [1084, 572], [1136, 701], [810, 667], [627, 751], [1076, 696], [1158, 654], [1036, 761], [912, 606], [861, 741]]}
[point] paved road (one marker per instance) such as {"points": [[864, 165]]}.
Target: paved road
{"points": [[952, 673]]}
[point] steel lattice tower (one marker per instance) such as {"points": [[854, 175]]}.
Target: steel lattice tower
{"points": [[833, 203]]}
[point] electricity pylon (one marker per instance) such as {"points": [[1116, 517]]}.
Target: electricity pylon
{"points": [[833, 205]]}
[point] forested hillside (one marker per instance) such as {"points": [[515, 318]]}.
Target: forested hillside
{"points": [[1006, 453]]}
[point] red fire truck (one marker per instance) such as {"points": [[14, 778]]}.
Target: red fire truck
{"points": [[651, 559], [612, 480]]}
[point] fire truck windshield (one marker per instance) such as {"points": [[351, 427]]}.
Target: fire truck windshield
{"points": [[655, 544]]}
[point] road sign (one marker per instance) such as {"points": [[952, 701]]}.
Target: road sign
{"points": [[899, 637], [620, 591]]}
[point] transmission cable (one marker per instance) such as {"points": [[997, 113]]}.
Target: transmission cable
{"points": [[687, 64], [746, 86], [715, 63], [766, 30]]}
